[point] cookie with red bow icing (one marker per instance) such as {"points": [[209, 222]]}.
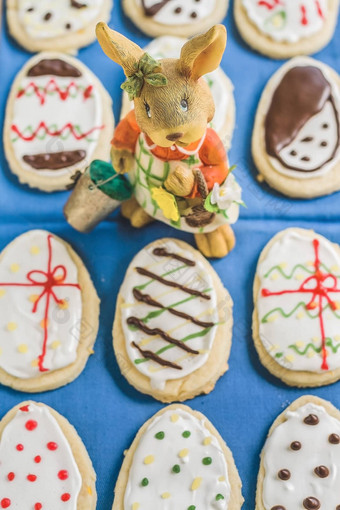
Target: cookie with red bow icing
{"points": [[44, 463], [297, 308], [175, 17], [58, 119], [286, 28], [60, 25], [296, 137], [48, 313], [300, 462]]}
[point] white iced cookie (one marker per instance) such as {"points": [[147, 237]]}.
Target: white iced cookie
{"points": [[48, 313], [60, 25], [44, 463], [300, 462], [172, 329], [58, 119], [219, 83], [286, 28], [178, 460], [297, 302], [296, 137], [184, 18]]}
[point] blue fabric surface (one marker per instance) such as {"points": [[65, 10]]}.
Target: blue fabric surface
{"points": [[105, 410]]}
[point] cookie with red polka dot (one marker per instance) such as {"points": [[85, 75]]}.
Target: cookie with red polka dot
{"points": [[44, 464], [175, 17]]}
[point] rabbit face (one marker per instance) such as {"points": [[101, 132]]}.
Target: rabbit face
{"points": [[179, 110], [177, 113]]}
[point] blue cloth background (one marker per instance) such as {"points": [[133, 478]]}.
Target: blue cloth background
{"points": [[105, 410]]}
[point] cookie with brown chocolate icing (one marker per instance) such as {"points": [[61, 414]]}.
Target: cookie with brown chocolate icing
{"points": [[173, 324], [51, 25], [58, 119], [175, 17], [296, 137]]}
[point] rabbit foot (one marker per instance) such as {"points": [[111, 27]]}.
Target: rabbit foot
{"points": [[216, 244], [131, 210]]}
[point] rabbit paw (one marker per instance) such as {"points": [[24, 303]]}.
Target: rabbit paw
{"points": [[216, 244], [123, 161], [131, 210], [181, 181]]}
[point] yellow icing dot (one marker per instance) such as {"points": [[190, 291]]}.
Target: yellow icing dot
{"points": [[56, 344], [299, 343], [14, 268], [2, 293], [283, 265], [44, 323], [145, 342], [12, 326], [23, 348], [207, 441], [299, 277], [337, 305], [300, 315], [272, 318], [149, 459], [277, 21], [35, 250], [196, 483], [166, 495], [221, 479], [89, 490], [335, 269], [154, 370], [174, 418], [183, 453], [315, 339], [290, 358], [337, 338], [311, 354], [33, 298], [135, 506], [35, 363], [63, 305], [274, 276], [310, 263]]}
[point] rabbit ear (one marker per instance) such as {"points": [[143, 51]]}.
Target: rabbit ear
{"points": [[203, 54], [118, 48]]}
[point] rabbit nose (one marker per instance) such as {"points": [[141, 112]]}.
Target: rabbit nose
{"points": [[174, 136]]}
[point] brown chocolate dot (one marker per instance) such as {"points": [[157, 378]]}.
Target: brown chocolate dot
{"points": [[334, 439], [312, 504], [48, 16], [178, 10], [323, 144], [312, 419], [293, 153], [321, 471], [68, 26], [305, 158], [193, 15], [296, 446], [307, 139], [325, 126], [30, 9], [284, 474], [278, 507]]}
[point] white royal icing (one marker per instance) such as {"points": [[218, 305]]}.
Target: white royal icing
{"points": [[22, 329], [181, 12], [319, 156], [287, 20], [195, 277], [199, 482], [287, 265], [316, 450], [56, 18], [26, 451], [75, 112]]}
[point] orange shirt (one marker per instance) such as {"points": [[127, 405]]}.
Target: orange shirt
{"points": [[212, 152]]}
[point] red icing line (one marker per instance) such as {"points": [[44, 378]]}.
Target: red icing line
{"points": [[63, 475], [11, 476], [52, 86], [268, 5], [42, 126], [52, 446], [304, 20], [65, 497], [319, 293], [48, 281], [31, 478], [24, 409], [20, 447], [31, 425], [319, 9], [5, 503]]}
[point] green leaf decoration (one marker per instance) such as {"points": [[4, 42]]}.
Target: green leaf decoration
{"points": [[208, 206], [144, 72]]}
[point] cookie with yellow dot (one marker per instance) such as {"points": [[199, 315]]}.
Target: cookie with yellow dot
{"points": [[178, 460], [49, 313], [296, 320]]}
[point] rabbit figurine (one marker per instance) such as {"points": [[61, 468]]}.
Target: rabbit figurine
{"points": [[177, 165]]}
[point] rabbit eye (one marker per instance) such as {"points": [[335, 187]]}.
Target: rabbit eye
{"points": [[147, 109], [184, 105]]}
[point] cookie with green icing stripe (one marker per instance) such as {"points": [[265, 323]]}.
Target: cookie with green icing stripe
{"points": [[178, 460], [297, 308], [173, 323]]}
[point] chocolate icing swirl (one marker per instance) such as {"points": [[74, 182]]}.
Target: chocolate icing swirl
{"points": [[55, 67], [54, 160]]}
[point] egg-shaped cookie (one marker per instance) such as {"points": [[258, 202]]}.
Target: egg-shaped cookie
{"points": [[178, 460], [300, 462], [220, 85], [44, 463], [58, 119], [296, 137], [286, 28], [58, 25], [183, 18], [49, 313], [173, 324], [296, 318]]}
